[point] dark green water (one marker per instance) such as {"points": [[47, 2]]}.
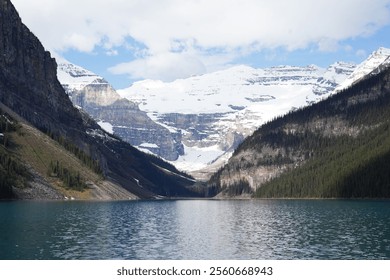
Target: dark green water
{"points": [[196, 229]]}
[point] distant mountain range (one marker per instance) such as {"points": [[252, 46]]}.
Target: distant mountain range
{"points": [[216, 111], [196, 123]]}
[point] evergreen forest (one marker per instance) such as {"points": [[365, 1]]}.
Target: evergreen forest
{"points": [[353, 163], [12, 172], [337, 148]]}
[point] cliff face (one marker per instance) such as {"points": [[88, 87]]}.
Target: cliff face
{"points": [[29, 86], [28, 76], [120, 116]]}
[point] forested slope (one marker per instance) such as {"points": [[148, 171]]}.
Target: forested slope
{"points": [[339, 147]]}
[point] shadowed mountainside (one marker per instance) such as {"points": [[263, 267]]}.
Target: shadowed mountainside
{"points": [[29, 87]]}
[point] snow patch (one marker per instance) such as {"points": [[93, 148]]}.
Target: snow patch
{"points": [[196, 158], [76, 77], [149, 145], [106, 126]]}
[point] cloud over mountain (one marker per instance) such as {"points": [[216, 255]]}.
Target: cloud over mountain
{"points": [[198, 34]]}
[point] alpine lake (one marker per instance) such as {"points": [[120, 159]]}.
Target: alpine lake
{"points": [[195, 229]]}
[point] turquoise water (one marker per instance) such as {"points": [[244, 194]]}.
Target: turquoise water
{"points": [[196, 229]]}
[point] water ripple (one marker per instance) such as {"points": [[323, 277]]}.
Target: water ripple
{"points": [[196, 229]]}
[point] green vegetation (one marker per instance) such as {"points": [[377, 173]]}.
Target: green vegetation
{"points": [[12, 172], [42, 153], [80, 154], [350, 165], [337, 148], [62, 162], [238, 188], [70, 178]]}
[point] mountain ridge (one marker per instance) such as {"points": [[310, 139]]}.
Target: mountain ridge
{"points": [[30, 88], [338, 147], [215, 112], [376, 62]]}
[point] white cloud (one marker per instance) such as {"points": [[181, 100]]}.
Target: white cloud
{"points": [[165, 66], [181, 37], [327, 44], [361, 53]]}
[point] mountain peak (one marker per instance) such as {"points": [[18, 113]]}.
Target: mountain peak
{"points": [[377, 57], [382, 51], [376, 61], [241, 68], [84, 86], [213, 112]]}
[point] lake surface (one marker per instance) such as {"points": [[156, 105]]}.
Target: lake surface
{"points": [[196, 229]]}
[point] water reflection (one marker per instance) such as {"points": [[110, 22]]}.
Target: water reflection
{"points": [[196, 229]]}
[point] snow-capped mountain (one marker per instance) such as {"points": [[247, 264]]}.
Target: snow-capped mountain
{"points": [[196, 123], [376, 62], [215, 112], [223, 91], [115, 114], [83, 86]]}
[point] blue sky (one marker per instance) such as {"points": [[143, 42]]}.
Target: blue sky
{"points": [[126, 41]]}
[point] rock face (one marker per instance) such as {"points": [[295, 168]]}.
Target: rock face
{"points": [[115, 114], [28, 76], [29, 86], [213, 113]]}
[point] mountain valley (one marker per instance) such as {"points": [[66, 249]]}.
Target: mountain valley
{"points": [[196, 123], [283, 131], [215, 112]]}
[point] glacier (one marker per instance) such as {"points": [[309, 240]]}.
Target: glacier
{"points": [[215, 112]]}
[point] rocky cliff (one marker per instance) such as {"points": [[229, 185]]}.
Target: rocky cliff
{"points": [[117, 115], [28, 77], [30, 88]]}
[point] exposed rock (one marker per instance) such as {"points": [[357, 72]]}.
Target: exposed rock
{"points": [[98, 98], [38, 189]]}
